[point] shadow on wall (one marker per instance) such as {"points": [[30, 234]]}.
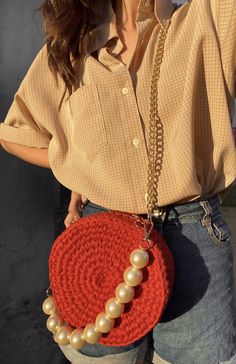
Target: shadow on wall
{"points": [[31, 216]]}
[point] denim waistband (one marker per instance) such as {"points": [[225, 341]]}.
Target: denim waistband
{"points": [[202, 208]]}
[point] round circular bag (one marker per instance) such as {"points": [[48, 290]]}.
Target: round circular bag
{"points": [[111, 273], [87, 262]]}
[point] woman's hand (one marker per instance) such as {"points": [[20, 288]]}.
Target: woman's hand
{"points": [[74, 208]]}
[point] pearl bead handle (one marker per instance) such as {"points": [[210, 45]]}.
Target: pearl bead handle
{"points": [[114, 307]]}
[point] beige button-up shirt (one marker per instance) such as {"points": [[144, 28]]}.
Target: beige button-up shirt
{"points": [[97, 138]]}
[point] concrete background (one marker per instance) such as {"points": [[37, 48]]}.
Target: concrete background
{"points": [[33, 206]]}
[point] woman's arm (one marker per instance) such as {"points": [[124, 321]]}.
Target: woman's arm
{"points": [[74, 208], [37, 156]]}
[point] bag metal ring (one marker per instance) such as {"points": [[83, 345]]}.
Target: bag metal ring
{"points": [[148, 245]]}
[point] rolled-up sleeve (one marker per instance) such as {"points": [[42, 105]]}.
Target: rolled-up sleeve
{"points": [[20, 127], [23, 123], [224, 15]]}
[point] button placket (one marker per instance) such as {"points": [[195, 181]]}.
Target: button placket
{"points": [[125, 91], [135, 142], [137, 139], [133, 131]]}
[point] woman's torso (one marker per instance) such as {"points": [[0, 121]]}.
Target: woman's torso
{"points": [[100, 143]]}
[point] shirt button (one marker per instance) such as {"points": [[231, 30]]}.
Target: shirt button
{"points": [[147, 3], [125, 91], [135, 142]]}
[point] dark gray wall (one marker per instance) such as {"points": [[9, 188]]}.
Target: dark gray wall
{"points": [[31, 210]]}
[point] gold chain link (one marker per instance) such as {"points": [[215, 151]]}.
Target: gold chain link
{"points": [[156, 142]]}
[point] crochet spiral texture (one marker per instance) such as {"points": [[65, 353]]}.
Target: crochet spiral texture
{"points": [[86, 263]]}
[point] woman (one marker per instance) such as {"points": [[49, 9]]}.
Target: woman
{"points": [[90, 127]]}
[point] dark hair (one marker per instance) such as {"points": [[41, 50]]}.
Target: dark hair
{"points": [[65, 22]]}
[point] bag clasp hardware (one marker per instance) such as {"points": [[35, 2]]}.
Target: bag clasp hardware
{"points": [[146, 243]]}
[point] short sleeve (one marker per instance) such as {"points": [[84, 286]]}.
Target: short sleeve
{"points": [[224, 14], [23, 123]]}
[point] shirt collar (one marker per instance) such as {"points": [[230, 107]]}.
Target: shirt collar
{"points": [[93, 40]]}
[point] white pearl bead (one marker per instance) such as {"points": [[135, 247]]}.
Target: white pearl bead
{"points": [[91, 335], [124, 293], [114, 308], [62, 335], [76, 340], [49, 306], [133, 276], [139, 258], [54, 322], [104, 323]]}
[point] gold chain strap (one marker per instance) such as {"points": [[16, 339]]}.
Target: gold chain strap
{"points": [[155, 147]]}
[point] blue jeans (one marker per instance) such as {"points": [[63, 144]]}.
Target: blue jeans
{"points": [[199, 323]]}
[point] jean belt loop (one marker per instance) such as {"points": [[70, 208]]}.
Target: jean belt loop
{"points": [[206, 219], [163, 216], [219, 199]]}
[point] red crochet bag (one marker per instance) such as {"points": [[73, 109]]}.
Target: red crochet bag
{"points": [[111, 273], [87, 262]]}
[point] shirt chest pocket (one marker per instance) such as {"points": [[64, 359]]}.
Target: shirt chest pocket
{"points": [[87, 124]]}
